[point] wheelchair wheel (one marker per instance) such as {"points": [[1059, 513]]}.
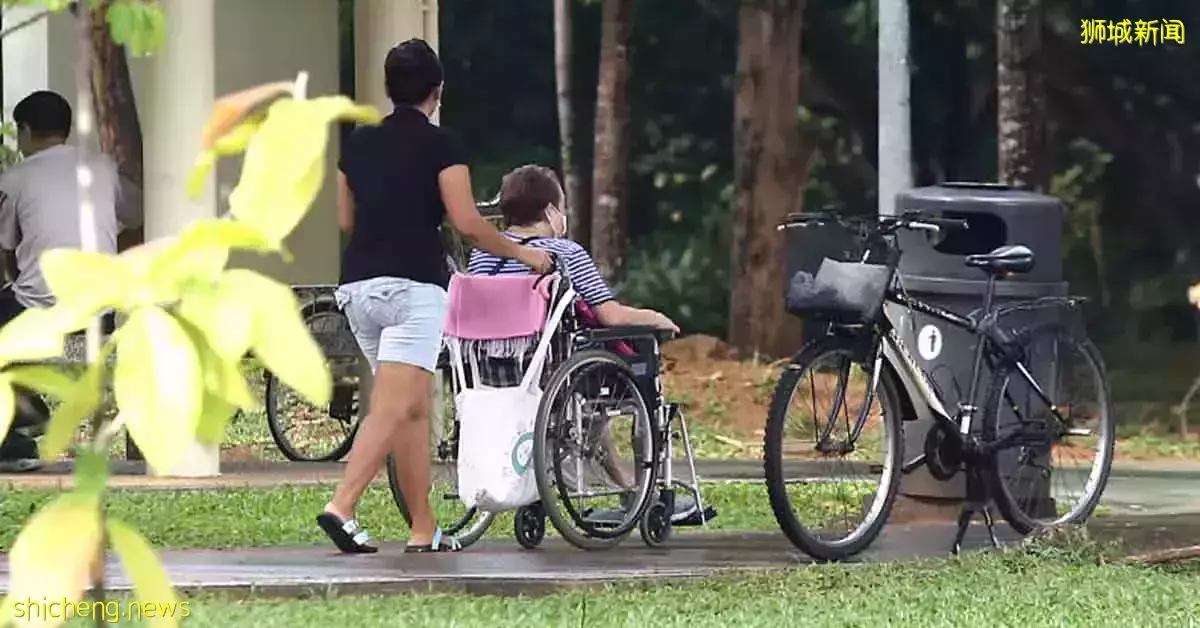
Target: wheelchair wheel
{"points": [[656, 525], [467, 525], [306, 433], [593, 485], [529, 526]]}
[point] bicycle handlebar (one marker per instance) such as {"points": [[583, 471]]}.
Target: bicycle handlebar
{"points": [[877, 225]]}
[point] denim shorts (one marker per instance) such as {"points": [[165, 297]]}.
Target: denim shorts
{"points": [[395, 320]]}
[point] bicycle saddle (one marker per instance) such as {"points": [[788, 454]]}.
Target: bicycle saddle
{"points": [[1013, 258]]}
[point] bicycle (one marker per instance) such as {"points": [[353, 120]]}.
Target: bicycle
{"points": [[326, 434], [849, 297]]}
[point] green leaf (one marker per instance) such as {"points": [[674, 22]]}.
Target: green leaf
{"points": [[284, 166], [224, 233], [53, 554], [121, 20], [8, 404], [280, 339], [145, 570], [225, 388], [78, 403], [91, 472], [45, 379], [85, 279], [158, 385], [38, 333], [225, 322]]}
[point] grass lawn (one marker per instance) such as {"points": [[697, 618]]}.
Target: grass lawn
{"points": [[1016, 588], [285, 516]]}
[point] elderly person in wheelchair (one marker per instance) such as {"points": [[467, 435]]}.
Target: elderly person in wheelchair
{"points": [[532, 203]]}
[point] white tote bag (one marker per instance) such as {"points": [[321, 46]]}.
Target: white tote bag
{"points": [[495, 446]]}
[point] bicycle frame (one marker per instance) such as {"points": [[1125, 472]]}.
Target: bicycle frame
{"points": [[986, 351]]}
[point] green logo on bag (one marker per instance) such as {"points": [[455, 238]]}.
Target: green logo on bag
{"points": [[517, 464]]}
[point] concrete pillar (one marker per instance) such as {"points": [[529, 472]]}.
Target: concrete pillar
{"points": [[26, 57], [379, 25], [178, 98]]}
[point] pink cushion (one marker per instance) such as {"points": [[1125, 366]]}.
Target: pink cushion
{"points": [[495, 307]]}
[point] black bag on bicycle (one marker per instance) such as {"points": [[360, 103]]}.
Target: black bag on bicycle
{"points": [[841, 291]]}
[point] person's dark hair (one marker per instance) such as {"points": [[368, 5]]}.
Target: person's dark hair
{"points": [[525, 193], [411, 72], [45, 114]]}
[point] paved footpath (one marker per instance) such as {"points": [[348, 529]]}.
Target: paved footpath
{"points": [[1152, 508], [500, 567]]}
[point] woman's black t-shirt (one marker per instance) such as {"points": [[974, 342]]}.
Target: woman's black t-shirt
{"points": [[392, 170]]}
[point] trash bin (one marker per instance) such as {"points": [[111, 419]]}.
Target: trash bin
{"points": [[932, 269]]}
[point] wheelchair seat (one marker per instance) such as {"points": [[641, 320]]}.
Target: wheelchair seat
{"points": [[1014, 258]]}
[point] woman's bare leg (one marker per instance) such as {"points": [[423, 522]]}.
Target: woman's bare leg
{"points": [[399, 412]]}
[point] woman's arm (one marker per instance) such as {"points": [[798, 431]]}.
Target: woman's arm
{"points": [[345, 205], [614, 314], [455, 185]]}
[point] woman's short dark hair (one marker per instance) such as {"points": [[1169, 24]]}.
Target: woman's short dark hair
{"points": [[525, 193], [45, 114], [411, 72]]}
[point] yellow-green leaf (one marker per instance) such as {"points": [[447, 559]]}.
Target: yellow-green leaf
{"points": [[284, 165], [46, 379], [225, 322], [280, 339], [38, 333], [79, 402], [158, 384], [225, 388], [7, 405], [150, 581], [232, 143], [198, 177], [53, 555], [89, 280], [222, 232]]}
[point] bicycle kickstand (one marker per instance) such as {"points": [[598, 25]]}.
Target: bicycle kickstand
{"points": [[978, 500]]}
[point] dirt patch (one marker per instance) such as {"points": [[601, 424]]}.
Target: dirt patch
{"points": [[727, 397]]}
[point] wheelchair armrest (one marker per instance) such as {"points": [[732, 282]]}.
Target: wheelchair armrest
{"points": [[608, 334]]}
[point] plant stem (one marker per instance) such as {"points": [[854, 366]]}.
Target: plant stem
{"points": [[29, 21], [84, 128]]}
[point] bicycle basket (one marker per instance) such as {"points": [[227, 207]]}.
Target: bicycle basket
{"points": [[841, 291]]}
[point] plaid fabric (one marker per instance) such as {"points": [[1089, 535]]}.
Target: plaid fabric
{"points": [[508, 372]]}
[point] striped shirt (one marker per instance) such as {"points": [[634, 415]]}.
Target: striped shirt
{"points": [[581, 270]]}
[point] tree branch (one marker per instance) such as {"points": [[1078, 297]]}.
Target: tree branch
{"points": [[29, 21]]}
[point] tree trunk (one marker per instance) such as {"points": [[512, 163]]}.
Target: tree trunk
{"points": [[1021, 96], [579, 216], [610, 211], [118, 127], [768, 166], [117, 123]]}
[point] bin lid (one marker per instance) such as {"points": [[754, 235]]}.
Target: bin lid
{"points": [[972, 196]]}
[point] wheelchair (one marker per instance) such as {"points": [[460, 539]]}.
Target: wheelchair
{"points": [[593, 487]]}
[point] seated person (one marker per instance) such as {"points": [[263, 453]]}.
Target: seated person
{"points": [[39, 211], [532, 203]]}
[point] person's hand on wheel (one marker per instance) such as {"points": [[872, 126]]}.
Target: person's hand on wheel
{"points": [[537, 259]]}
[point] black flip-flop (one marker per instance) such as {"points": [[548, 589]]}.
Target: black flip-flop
{"points": [[348, 536], [452, 545]]}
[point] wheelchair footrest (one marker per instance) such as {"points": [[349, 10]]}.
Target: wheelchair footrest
{"points": [[693, 518]]}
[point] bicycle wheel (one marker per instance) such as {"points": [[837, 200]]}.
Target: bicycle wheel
{"points": [[306, 433], [594, 487], [467, 525], [1029, 491], [832, 491]]}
